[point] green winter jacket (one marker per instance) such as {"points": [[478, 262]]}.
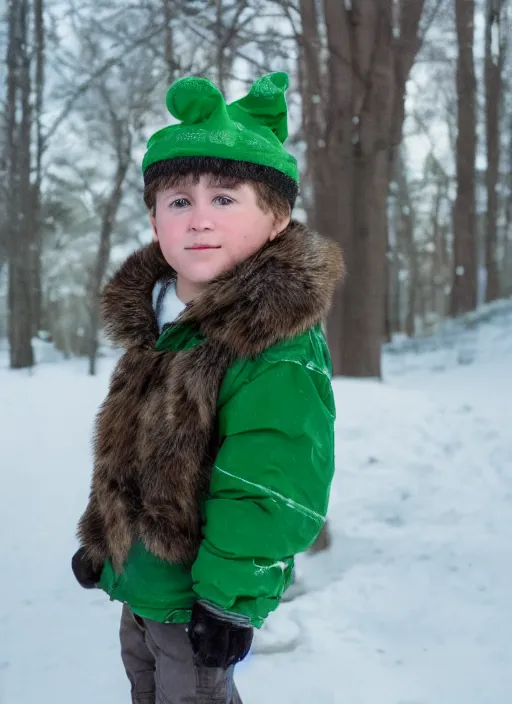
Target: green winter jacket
{"points": [[269, 487]]}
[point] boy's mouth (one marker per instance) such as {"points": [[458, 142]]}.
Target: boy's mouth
{"points": [[204, 246]]}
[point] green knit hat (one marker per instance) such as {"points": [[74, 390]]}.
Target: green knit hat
{"points": [[252, 129]]}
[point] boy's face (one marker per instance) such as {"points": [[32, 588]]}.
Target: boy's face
{"points": [[205, 229]]}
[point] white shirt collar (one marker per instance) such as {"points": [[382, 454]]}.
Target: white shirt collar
{"points": [[166, 304]]}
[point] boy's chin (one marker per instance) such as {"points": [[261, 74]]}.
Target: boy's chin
{"points": [[204, 277]]}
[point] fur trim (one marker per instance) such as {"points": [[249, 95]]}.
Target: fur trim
{"points": [[155, 440]]}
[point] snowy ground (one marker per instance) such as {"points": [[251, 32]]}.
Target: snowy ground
{"points": [[412, 605]]}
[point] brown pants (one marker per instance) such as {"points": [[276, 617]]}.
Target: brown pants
{"points": [[159, 663]]}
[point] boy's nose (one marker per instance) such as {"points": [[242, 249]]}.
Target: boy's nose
{"points": [[200, 220]]}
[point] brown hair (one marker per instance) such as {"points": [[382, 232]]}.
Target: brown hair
{"points": [[221, 172]]}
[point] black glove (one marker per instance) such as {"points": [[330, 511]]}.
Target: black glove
{"points": [[84, 571], [217, 639]]}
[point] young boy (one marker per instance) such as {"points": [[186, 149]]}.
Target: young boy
{"points": [[214, 447]]}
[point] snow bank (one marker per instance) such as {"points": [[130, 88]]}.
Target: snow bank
{"points": [[412, 605]]}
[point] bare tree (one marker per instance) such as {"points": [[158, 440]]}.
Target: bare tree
{"points": [[506, 269], [394, 293], [441, 269], [39, 82], [313, 106], [19, 192], [464, 292], [169, 44], [370, 50], [226, 32], [122, 142], [494, 61], [120, 110], [408, 246]]}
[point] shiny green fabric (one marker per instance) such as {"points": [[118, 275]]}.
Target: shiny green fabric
{"points": [[252, 129], [269, 488]]}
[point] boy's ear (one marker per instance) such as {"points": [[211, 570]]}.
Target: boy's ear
{"points": [[280, 224], [153, 227]]}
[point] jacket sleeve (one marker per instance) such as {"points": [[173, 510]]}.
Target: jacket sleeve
{"points": [[269, 488]]}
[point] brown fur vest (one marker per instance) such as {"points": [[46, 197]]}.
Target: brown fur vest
{"points": [[155, 432]]}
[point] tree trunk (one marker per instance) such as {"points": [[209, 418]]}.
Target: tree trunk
{"points": [[36, 225], [440, 269], [324, 540], [358, 118], [226, 38], [464, 292], [364, 313], [334, 177], [310, 50], [20, 233], [169, 57], [493, 101], [367, 68], [219, 35], [506, 269], [394, 297], [408, 246], [420, 301], [102, 259], [407, 18]]}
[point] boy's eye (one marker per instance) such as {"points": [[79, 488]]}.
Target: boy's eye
{"points": [[223, 200], [179, 203]]}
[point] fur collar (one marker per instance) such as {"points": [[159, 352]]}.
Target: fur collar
{"points": [[276, 294]]}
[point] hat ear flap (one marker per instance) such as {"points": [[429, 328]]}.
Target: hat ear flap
{"points": [[193, 100], [266, 103]]}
